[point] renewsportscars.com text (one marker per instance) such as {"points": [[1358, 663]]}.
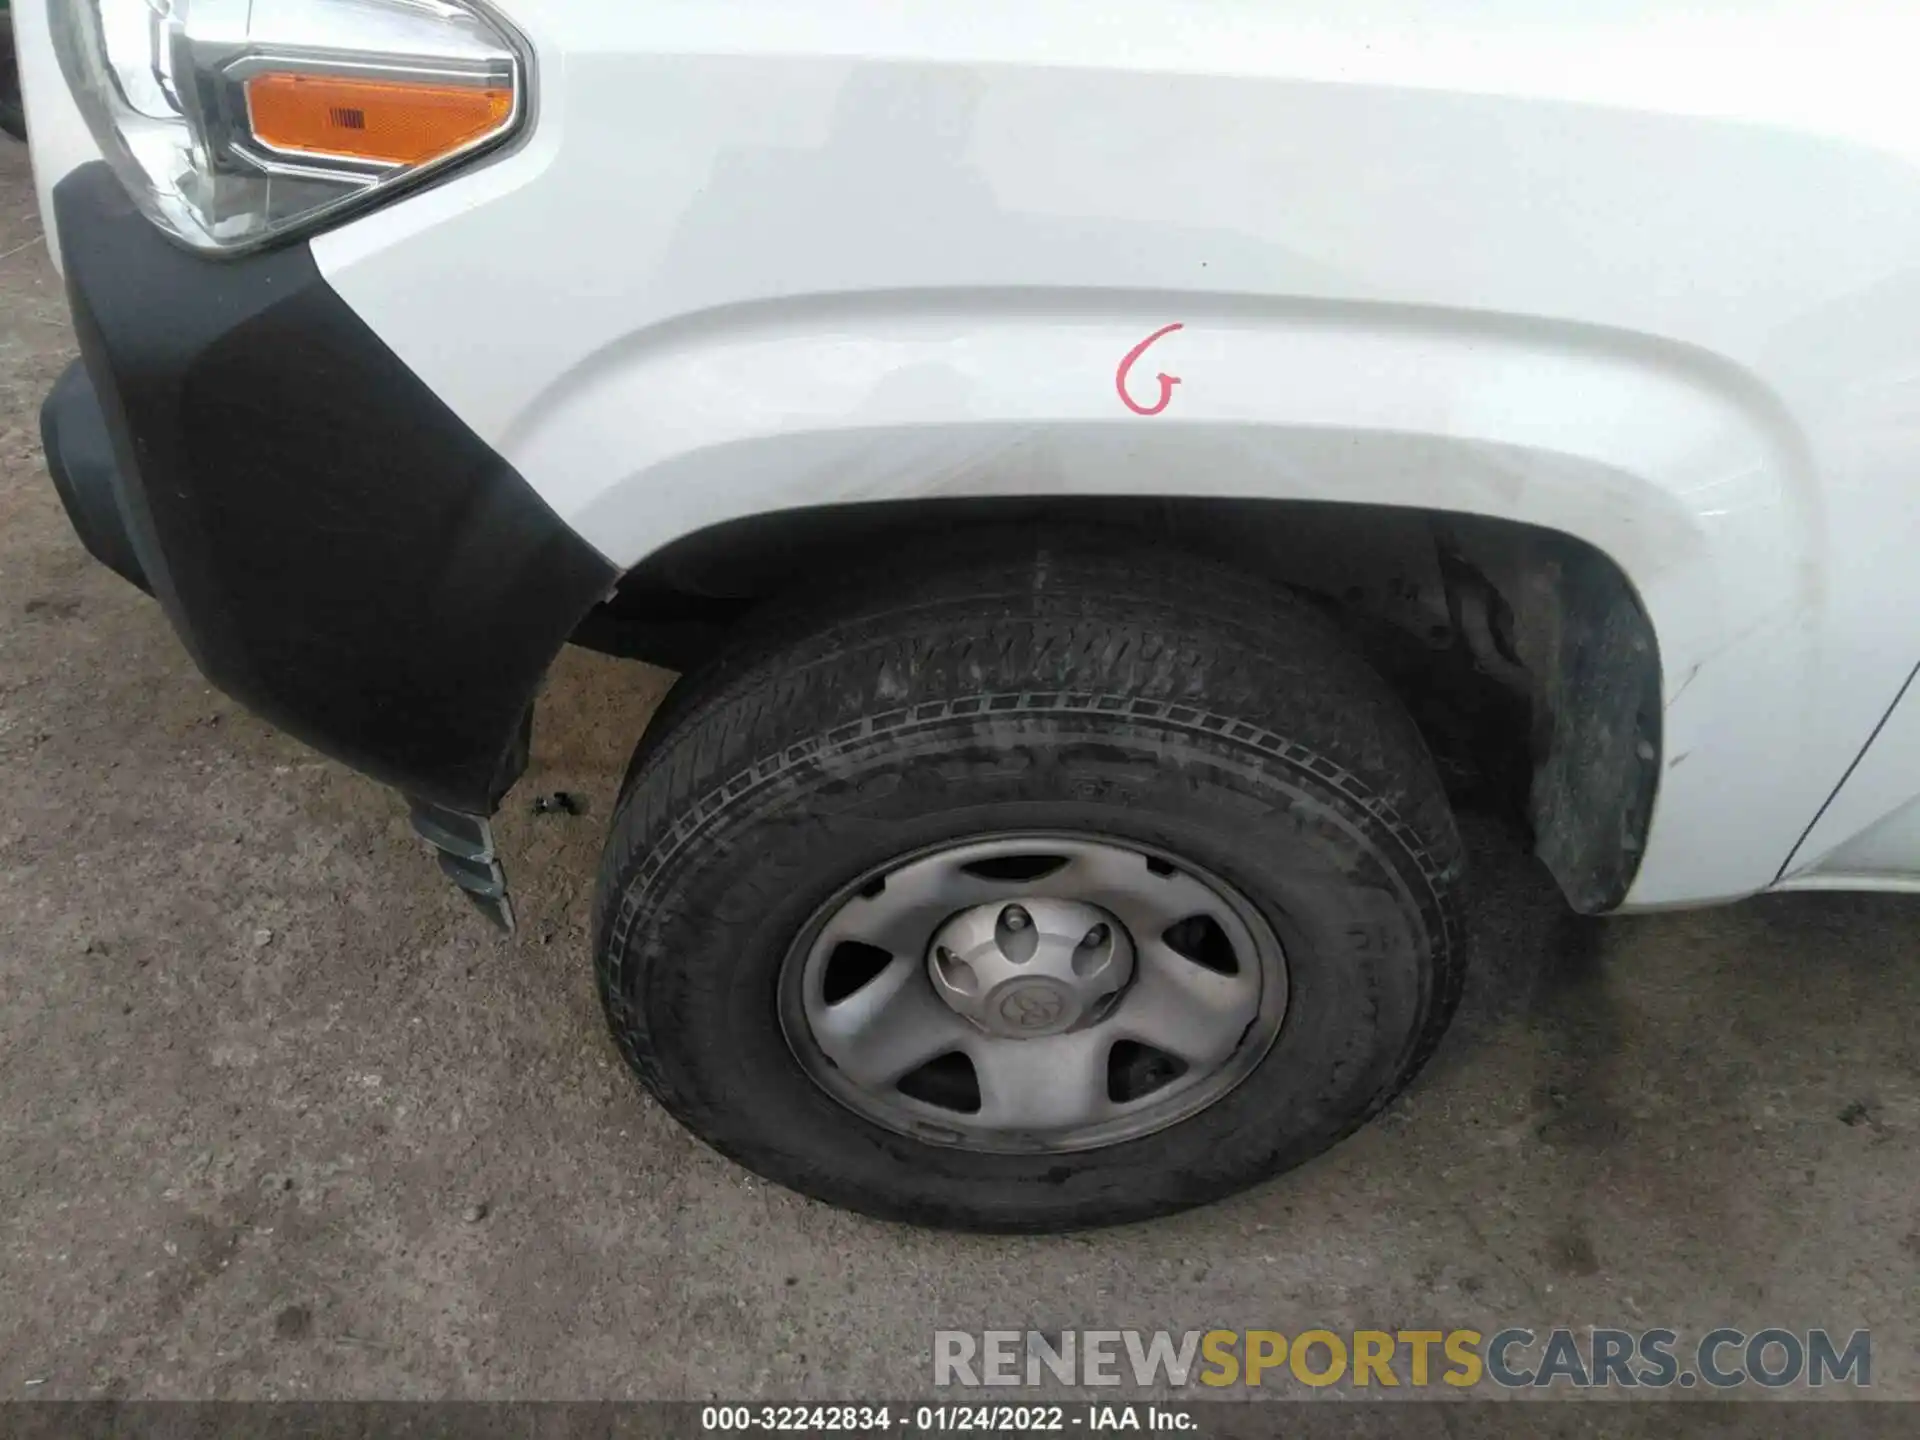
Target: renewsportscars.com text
{"points": [[1513, 1358]]}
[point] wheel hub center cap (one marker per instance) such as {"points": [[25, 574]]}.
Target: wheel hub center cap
{"points": [[1031, 968]]}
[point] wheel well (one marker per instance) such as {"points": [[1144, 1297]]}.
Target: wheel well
{"points": [[1523, 654]]}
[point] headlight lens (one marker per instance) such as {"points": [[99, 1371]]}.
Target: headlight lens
{"points": [[232, 122]]}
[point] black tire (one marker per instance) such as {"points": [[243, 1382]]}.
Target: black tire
{"points": [[1152, 698], [13, 115]]}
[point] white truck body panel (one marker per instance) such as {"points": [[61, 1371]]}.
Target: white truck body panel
{"points": [[1641, 275], [1868, 835]]}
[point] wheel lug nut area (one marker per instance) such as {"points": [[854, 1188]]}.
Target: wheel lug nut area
{"points": [[1032, 969]]}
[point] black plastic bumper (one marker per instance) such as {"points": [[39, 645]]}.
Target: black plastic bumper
{"points": [[73, 432], [337, 550]]}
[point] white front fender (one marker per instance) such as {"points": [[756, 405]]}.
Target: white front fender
{"points": [[1676, 467], [754, 257]]}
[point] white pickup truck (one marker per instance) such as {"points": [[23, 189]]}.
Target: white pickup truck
{"points": [[1111, 478]]}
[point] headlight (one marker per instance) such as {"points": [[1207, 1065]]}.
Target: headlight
{"points": [[234, 121]]}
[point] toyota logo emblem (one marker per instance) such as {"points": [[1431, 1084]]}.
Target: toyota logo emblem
{"points": [[1033, 1007]]}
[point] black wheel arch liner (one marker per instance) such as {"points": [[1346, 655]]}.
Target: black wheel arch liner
{"points": [[336, 548], [1532, 638]]}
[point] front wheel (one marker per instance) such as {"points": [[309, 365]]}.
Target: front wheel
{"points": [[1030, 894]]}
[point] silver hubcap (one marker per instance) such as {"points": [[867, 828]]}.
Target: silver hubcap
{"points": [[1033, 993], [1026, 971]]}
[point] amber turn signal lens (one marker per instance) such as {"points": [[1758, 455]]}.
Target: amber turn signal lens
{"points": [[391, 122]]}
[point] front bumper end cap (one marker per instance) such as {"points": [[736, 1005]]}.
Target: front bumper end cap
{"points": [[73, 431]]}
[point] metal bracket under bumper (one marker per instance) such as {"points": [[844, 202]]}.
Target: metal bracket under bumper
{"points": [[467, 855]]}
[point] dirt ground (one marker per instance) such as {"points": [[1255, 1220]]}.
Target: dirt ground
{"points": [[280, 1117]]}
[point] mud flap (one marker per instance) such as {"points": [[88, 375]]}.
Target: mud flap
{"points": [[467, 855]]}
